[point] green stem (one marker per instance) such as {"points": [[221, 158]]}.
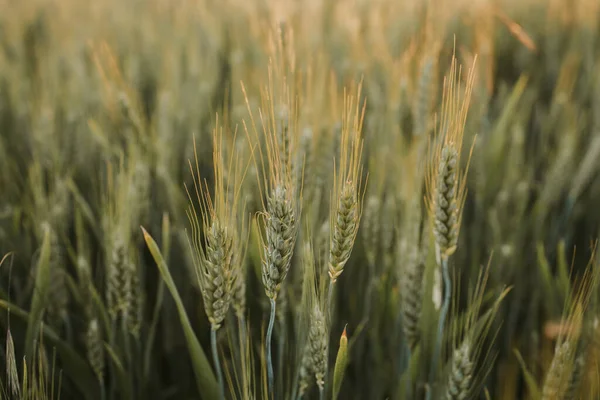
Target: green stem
{"points": [[330, 299], [242, 353], [268, 344], [321, 394], [440, 331], [215, 354], [282, 335]]}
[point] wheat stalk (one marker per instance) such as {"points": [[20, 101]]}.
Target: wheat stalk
{"points": [[216, 263], [446, 185], [347, 196]]}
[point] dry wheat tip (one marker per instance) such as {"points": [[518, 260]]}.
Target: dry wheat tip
{"points": [[217, 275], [280, 231]]}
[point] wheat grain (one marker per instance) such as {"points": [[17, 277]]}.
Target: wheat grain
{"points": [[281, 229], [344, 232], [446, 210], [461, 375], [217, 275]]}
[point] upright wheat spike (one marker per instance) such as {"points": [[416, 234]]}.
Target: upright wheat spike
{"points": [[446, 185], [280, 232], [461, 375], [346, 201], [214, 257], [278, 185]]}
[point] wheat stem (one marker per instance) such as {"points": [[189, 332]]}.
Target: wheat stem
{"points": [[441, 322], [268, 344], [215, 354]]}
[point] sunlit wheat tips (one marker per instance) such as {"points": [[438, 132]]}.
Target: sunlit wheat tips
{"points": [[348, 189], [213, 238], [445, 180], [217, 232]]}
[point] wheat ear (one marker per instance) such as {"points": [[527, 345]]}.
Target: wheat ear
{"points": [[446, 185], [347, 197], [461, 374]]}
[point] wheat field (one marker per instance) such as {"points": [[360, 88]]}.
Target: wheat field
{"points": [[279, 199]]}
